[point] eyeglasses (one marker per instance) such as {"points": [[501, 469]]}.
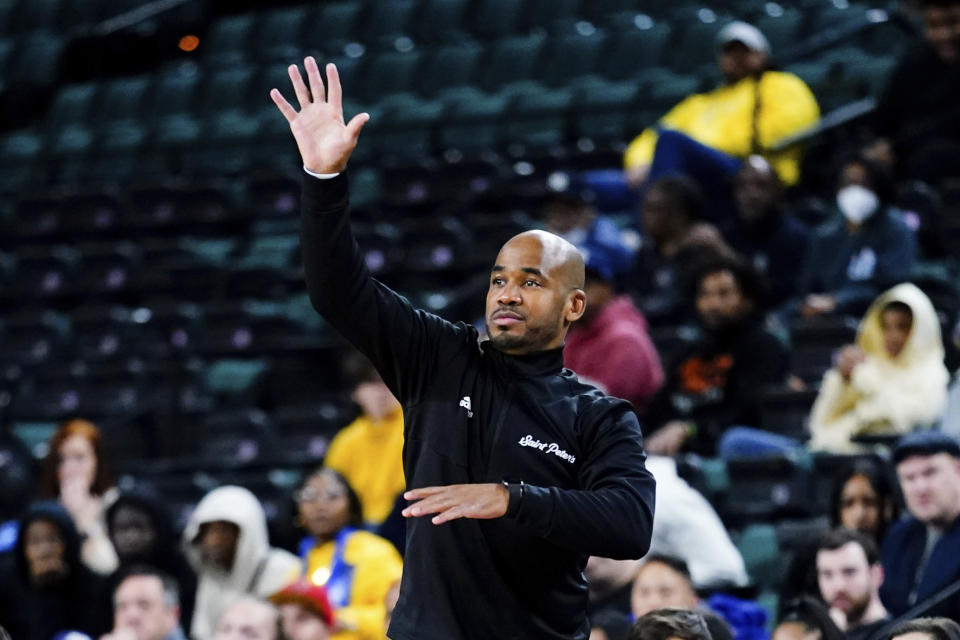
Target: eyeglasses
{"points": [[309, 494]]}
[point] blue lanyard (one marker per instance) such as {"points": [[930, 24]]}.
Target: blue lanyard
{"points": [[340, 582]]}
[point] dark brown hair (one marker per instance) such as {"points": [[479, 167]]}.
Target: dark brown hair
{"points": [[662, 624], [50, 480]]}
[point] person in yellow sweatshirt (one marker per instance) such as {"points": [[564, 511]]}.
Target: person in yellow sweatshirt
{"points": [[707, 135], [357, 568], [891, 381], [369, 451]]}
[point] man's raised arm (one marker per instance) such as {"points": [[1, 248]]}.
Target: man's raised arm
{"points": [[401, 341]]}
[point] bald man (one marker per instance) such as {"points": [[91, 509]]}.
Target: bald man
{"points": [[516, 470]]}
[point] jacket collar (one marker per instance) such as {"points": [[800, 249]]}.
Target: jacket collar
{"points": [[530, 365]]}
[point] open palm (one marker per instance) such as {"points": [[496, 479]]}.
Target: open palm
{"points": [[324, 140]]}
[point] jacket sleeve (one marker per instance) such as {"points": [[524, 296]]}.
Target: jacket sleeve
{"points": [[611, 515], [403, 343], [640, 150], [918, 399]]}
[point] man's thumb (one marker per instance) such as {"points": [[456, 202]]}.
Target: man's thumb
{"points": [[356, 124]]}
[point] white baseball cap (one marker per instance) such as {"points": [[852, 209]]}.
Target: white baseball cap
{"points": [[746, 34]]}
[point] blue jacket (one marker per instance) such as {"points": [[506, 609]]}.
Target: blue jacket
{"points": [[902, 548], [856, 267]]}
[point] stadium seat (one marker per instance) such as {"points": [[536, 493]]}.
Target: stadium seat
{"points": [[572, 56], [635, 49], [493, 19], [537, 14], [228, 42], [232, 377], [764, 489], [35, 60], [538, 118], [440, 21], [331, 27], [695, 48], [277, 36], [448, 66], [813, 342], [388, 73], [786, 411], [761, 554], [783, 27], [511, 60], [473, 121], [384, 22], [597, 11]]}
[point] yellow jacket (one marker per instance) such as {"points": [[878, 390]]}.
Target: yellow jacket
{"points": [[370, 456], [375, 566], [723, 120], [884, 395]]}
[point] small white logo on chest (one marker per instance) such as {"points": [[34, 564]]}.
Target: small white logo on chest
{"points": [[465, 403], [548, 447]]}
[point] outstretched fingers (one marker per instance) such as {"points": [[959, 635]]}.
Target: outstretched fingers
{"points": [[303, 95], [336, 91], [288, 112], [356, 125], [313, 76]]}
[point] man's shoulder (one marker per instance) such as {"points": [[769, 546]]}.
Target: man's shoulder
{"points": [[903, 531]]}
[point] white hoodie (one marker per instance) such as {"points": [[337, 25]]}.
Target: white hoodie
{"points": [[884, 395], [258, 569]]}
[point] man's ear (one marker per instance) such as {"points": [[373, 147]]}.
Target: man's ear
{"points": [[576, 305], [876, 574]]}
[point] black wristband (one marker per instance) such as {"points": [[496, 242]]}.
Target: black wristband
{"points": [[515, 492]]}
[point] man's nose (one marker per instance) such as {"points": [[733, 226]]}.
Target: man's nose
{"points": [[510, 295]]}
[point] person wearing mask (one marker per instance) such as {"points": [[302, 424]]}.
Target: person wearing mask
{"points": [[146, 606], [46, 588], [891, 381], [919, 552], [610, 345], [864, 249], [142, 532], [707, 135], [369, 451], [227, 545], [305, 611], [767, 236], [713, 385], [849, 575], [248, 618], [75, 473], [356, 567]]}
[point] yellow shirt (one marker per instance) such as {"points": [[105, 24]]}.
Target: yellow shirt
{"points": [[723, 120], [370, 456], [376, 566]]}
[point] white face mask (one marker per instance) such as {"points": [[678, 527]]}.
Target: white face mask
{"points": [[857, 203]]}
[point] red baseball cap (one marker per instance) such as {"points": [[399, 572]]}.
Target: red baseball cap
{"points": [[308, 595]]}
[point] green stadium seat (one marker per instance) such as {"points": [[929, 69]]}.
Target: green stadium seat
{"points": [[228, 42], [783, 28], [386, 21], [365, 187], [760, 549], [440, 21], [635, 49], [231, 376], [277, 34], [19, 152], [604, 109], [695, 47], [35, 15], [494, 19], [408, 124], [331, 26], [388, 73], [572, 56], [538, 118], [597, 11], [71, 105], [35, 60], [272, 252], [473, 120], [512, 59], [537, 14], [121, 99], [449, 66], [226, 90]]}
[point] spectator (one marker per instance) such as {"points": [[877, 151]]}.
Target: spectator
{"points": [[930, 628], [892, 381], [862, 497], [670, 624], [805, 619], [609, 346], [849, 575], [764, 233], [919, 552], [686, 526], [860, 251], [708, 134], [142, 533], [146, 606], [662, 581], [915, 117], [356, 567], [75, 473], [610, 583], [369, 451], [714, 385], [46, 588], [305, 611], [674, 238], [248, 619], [227, 545]]}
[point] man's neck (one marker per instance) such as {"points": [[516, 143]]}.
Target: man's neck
{"points": [[874, 612]]}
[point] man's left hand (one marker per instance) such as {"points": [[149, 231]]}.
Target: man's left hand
{"points": [[481, 501]]}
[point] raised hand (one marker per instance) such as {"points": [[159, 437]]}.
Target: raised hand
{"points": [[481, 501], [324, 140]]}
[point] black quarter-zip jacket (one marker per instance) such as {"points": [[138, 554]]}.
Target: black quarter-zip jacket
{"points": [[473, 414]]}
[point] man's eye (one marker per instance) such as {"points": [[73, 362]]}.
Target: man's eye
{"points": [[532, 283], [497, 281]]}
